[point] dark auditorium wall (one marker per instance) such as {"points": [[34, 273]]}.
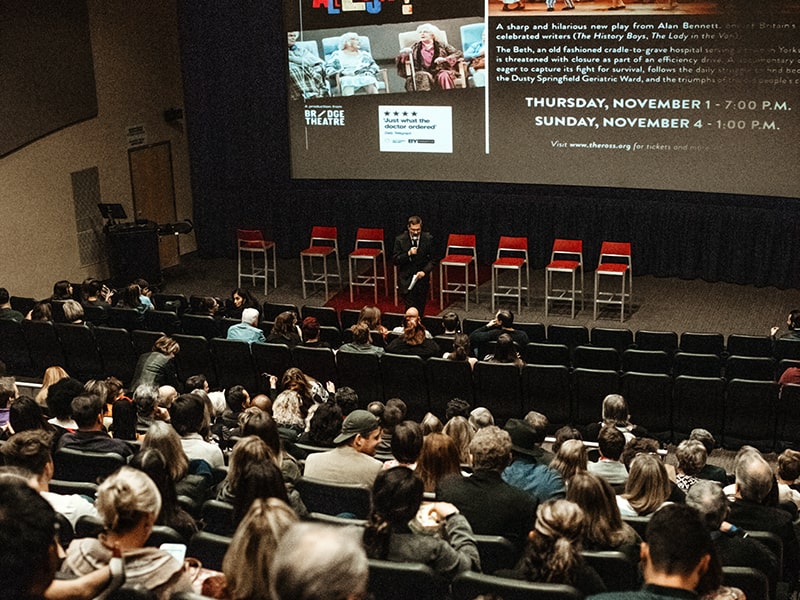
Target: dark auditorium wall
{"points": [[233, 56]]}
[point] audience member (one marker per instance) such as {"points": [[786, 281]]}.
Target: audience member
{"points": [[540, 424], [352, 460], [188, 415], [459, 429], [691, 455], [51, 375], [503, 322], [572, 457], [362, 341], [678, 558], [152, 462], [567, 432], [25, 415], [553, 553], [310, 329], [73, 312], [347, 399], [788, 472], [461, 350], [255, 544], [371, 315], [284, 330], [456, 407], [611, 442], [30, 450], [414, 340], [128, 502], [145, 399], [123, 420], [406, 445], [95, 293], [605, 529], [157, 366], [492, 506], [319, 562], [253, 473], [451, 323], [247, 330], [59, 403], [754, 481], [480, 417], [431, 424], [325, 425], [505, 352], [393, 414], [87, 411], [438, 460], [8, 392], [615, 413], [6, 312], [732, 545], [62, 290], [241, 299], [398, 530], [524, 472], [647, 489], [709, 471]]}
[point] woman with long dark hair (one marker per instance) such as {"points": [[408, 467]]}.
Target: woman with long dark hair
{"points": [[395, 531]]}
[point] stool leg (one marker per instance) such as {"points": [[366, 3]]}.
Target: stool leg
{"points": [[548, 277], [303, 274], [350, 273], [573, 293], [622, 301], [494, 285]]}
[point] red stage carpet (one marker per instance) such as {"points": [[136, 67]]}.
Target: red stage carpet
{"points": [[363, 296]]}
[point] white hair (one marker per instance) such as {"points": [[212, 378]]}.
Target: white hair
{"points": [[347, 36], [250, 316], [432, 29]]}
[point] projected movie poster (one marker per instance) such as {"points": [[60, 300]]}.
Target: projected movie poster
{"points": [[692, 95]]}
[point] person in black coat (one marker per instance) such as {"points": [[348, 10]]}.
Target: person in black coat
{"points": [[412, 254]]}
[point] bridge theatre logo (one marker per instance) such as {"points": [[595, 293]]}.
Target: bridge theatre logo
{"points": [[324, 116]]}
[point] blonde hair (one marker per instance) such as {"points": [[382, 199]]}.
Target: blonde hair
{"points": [[247, 563], [554, 552], [166, 345], [459, 429], [51, 376], [287, 409], [125, 497], [163, 437], [648, 484], [571, 458]]}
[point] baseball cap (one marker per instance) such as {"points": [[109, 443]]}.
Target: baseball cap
{"points": [[357, 422]]}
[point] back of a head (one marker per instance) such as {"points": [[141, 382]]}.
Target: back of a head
{"points": [[451, 322], [125, 497], [29, 450], [347, 399], [187, 413], [481, 417], [677, 539], [754, 477], [60, 396], [361, 333], [254, 544], [788, 464], [5, 297], [794, 319], [27, 547], [505, 317], [708, 499], [250, 316], [648, 485], [437, 460], [407, 442], [704, 437], [310, 328], [490, 449], [456, 407], [396, 496], [166, 345], [123, 417], [567, 432], [691, 455], [255, 421], [611, 442], [73, 311], [572, 457], [615, 410], [145, 398], [25, 414], [318, 562], [162, 436], [505, 350], [85, 410]]}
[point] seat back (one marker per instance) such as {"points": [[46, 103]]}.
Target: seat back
{"points": [[751, 581], [615, 252], [162, 320], [43, 345], [567, 250], [590, 357], [233, 363], [14, 349], [218, 517], [203, 325], [469, 585], [546, 389], [249, 238], [389, 580], [404, 377], [649, 397], [209, 549], [646, 361], [273, 309], [175, 302], [82, 465], [273, 359], [703, 343], [194, 358], [617, 572], [605, 337], [80, 351], [369, 237], [569, 335], [591, 387], [324, 236], [697, 365], [496, 553], [117, 352], [325, 315], [750, 367], [498, 388], [657, 340], [698, 400], [462, 243], [319, 363], [447, 379], [335, 498], [362, 372], [126, 318], [514, 246], [749, 345], [750, 414], [546, 354]]}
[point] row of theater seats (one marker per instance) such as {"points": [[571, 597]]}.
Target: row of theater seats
{"points": [[737, 411]]}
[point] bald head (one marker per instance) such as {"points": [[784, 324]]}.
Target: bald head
{"points": [[263, 402], [412, 312]]}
